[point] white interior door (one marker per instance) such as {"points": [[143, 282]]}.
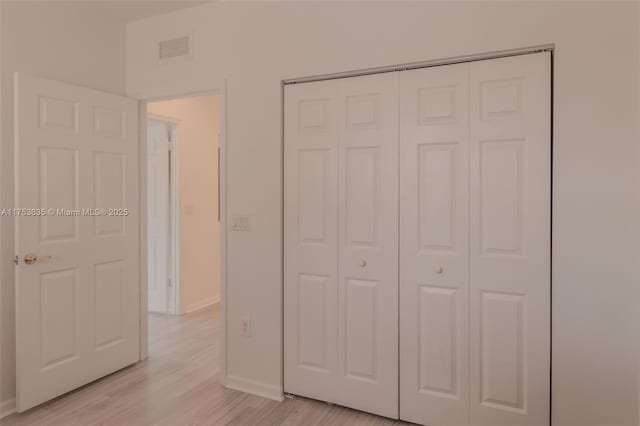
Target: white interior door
{"points": [[77, 313], [434, 245], [510, 169], [341, 242], [158, 210]]}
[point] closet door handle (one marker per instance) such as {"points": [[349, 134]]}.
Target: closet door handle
{"points": [[438, 269], [363, 264]]}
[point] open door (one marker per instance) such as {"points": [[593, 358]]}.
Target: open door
{"points": [[77, 281]]}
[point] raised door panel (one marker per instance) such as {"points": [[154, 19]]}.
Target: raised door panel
{"points": [[437, 105], [362, 110], [313, 116], [438, 322], [362, 330], [501, 99], [59, 114], [501, 196], [312, 322], [59, 190], [510, 175], [109, 123], [110, 303], [502, 351], [59, 322], [313, 190], [437, 179], [434, 245], [362, 176], [109, 181]]}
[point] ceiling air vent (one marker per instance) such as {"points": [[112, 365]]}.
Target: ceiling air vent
{"points": [[175, 48]]}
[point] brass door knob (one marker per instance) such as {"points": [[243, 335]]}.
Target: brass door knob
{"points": [[30, 258]]}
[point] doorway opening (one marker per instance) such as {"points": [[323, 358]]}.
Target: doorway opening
{"points": [[183, 226]]}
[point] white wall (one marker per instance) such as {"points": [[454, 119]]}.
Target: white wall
{"points": [[198, 169], [256, 45], [67, 41]]}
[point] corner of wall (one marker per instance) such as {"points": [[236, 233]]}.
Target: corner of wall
{"points": [[7, 407]]}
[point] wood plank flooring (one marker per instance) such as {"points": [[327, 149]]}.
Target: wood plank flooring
{"points": [[178, 386]]}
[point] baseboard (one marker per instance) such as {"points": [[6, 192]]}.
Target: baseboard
{"points": [[7, 407], [255, 388], [201, 304]]}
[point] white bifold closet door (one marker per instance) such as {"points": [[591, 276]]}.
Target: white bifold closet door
{"points": [[462, 154], [475, 243], [510, 241], [341, 242], [434, 245]]}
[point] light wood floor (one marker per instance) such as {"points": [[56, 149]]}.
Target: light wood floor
{"points": [[178, 386]]}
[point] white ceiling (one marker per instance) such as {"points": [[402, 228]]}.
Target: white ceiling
{"points": [[131, 10], [128, 10]]}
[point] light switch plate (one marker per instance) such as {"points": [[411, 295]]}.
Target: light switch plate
{"points": [[241, 223]]}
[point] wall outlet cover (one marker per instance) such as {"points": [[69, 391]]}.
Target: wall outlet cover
{"points": [[245, 326], [241, 223]]}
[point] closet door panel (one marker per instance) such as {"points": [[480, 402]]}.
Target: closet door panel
{"points": [[368, 243], [510, 169], [434, 246], [311, 231], [341, 242]]}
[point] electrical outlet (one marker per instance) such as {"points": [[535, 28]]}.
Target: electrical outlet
{"points": [[245, 327], [241, 223]]}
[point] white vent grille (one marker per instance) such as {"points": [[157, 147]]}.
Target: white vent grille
{"points": [[174, 48]]}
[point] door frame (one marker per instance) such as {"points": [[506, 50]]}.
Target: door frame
{"points": [[173, 243], [221, 91], [549, 47]]}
